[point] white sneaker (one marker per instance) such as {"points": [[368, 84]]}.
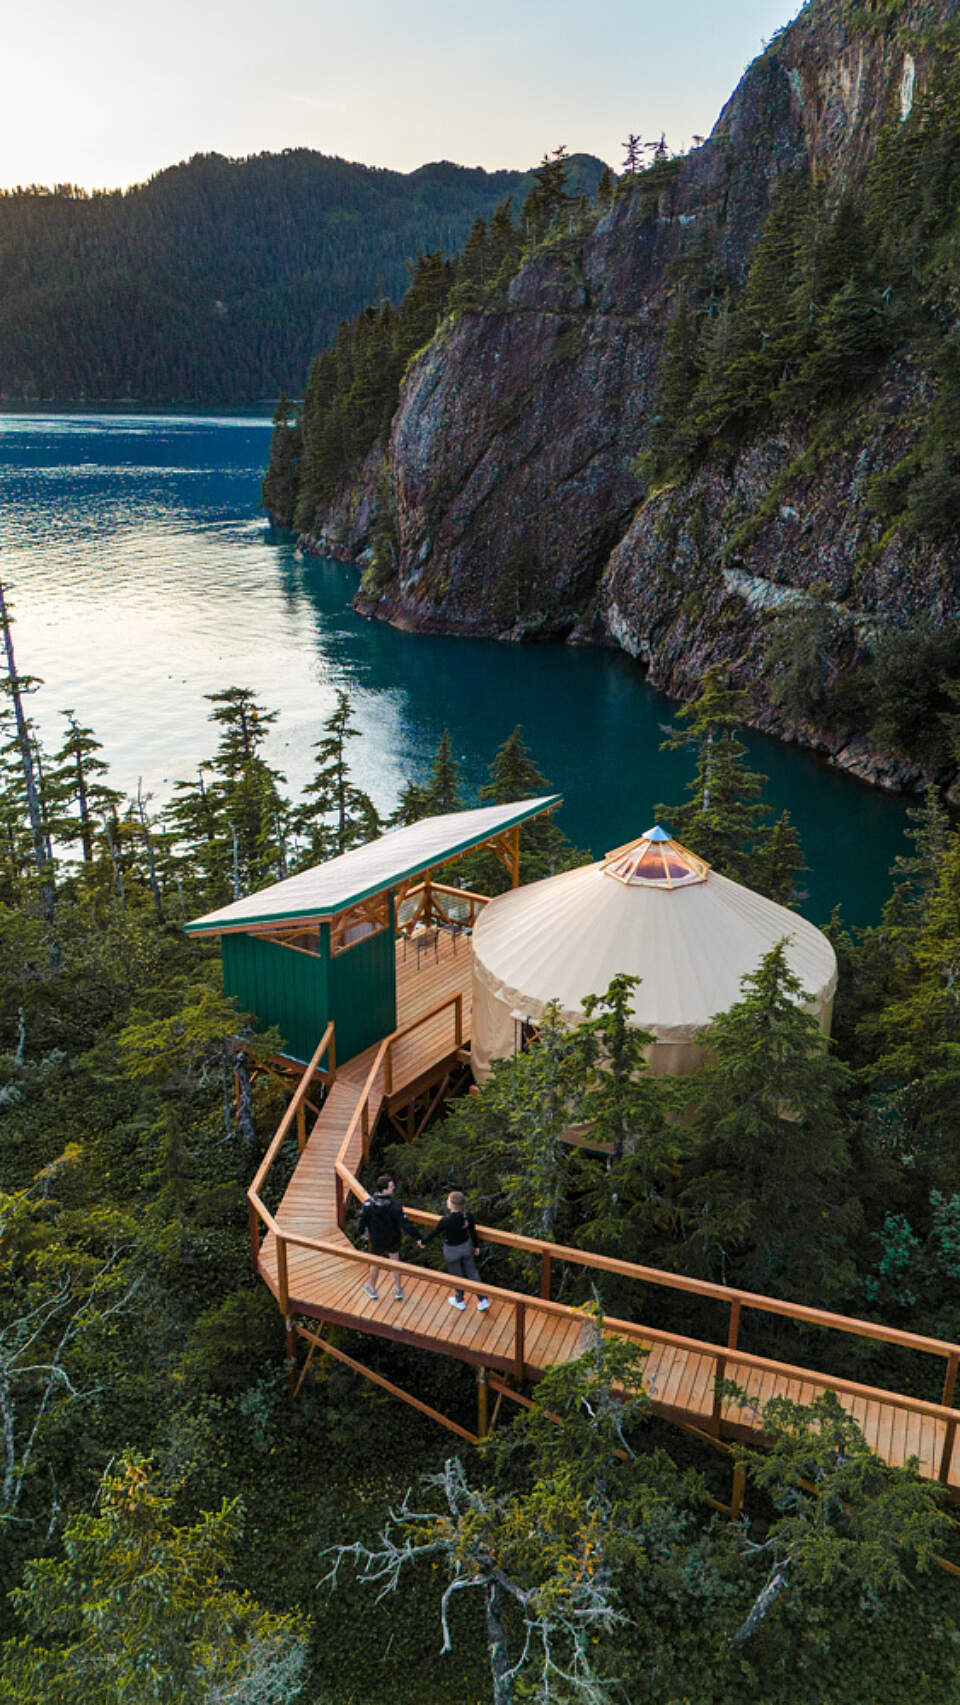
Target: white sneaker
{"points": [[456, 1303], [482, 1303], [397, 1293], [370, 1291]]}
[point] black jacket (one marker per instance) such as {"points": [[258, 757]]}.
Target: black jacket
{"points": [[455, 1229], [384, 1219]]}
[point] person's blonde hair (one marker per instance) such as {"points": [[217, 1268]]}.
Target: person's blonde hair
{"points": [[456, 1201]]}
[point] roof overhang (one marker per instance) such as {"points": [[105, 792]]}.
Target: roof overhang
{"points": [[320, 893]]}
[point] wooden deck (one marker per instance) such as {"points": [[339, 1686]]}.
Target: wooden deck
{"points": [[314, 1270]]}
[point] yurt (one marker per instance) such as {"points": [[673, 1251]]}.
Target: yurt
{"points": [[650, 908]]}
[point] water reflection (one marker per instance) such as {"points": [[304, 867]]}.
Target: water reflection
{"points": [[144, 578]]}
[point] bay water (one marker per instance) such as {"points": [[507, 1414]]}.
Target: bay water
{"points": [[144, 576]]}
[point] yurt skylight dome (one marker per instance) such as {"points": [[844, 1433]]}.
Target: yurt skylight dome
{"points": [[655, 861]]}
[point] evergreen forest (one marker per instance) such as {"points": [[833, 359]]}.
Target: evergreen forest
{"points": [[218, 279], [177, 1530]]}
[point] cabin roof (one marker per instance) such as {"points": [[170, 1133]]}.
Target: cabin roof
{"points": [[326, 889]]}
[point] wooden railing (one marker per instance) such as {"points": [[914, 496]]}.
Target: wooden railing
{"points": [[363, 1118], [297, 1110], [363, 1121]]}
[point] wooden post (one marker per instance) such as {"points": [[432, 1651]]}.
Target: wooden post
{"points": [[301, 1126], [341, 1205], [283, 1291], [948, 1443], [950, 1380], [290, 1351], [332, 1060], [520, 1318], [545, 1275], [365, 1127], [739, 1488], [717, 1401], [458, 1021], [733, 1332], [482, 1414], [388, 1070], [515, 856], [254, 1223], [427, 901]]}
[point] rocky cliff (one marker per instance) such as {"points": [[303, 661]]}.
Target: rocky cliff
{"points": [[520, 502]]}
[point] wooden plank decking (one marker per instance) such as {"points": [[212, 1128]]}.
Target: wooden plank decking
{"points": [[679, 1376]]}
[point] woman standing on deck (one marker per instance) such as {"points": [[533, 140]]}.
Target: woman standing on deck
{"points": [[458, 1228]]}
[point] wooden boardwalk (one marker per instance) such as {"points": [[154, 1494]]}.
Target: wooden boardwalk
{"points": [[315, 1271]]}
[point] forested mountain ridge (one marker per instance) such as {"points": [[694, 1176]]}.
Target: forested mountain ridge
{"points": [[219, 278], [712, 418]]}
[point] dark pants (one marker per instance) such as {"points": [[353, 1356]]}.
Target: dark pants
{"points": [[461, 1262]]}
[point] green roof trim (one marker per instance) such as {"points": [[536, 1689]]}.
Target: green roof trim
{"points": [[329, 888]]}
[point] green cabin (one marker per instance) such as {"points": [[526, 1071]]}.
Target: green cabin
{"points": [[322, 945]]}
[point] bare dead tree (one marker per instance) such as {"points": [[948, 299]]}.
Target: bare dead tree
{"points": [[494, 1545]]}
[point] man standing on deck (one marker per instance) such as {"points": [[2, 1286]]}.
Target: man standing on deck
{"points": [[384, 1222]]}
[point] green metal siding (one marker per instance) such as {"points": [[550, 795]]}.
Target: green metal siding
{"points": [[301, 992], [279, 986], [363, 992]]}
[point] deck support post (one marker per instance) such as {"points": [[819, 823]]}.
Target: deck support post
{"points": [[341, 1204], [545, 1275], [301, 1126], [254, 1225], [739, 1488], [283, 1289], [483, 1423], [520, 1325], [290, 1354]]}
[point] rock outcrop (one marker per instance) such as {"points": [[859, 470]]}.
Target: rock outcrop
{"points": [[517, 506]]}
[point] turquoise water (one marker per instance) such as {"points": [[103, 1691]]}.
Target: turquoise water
{"points": [[143, 577]]}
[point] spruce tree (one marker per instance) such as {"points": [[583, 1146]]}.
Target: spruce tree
{"points": [[442, 792], [334, 814], [77, 786], [723, 814], [767, 1197]]}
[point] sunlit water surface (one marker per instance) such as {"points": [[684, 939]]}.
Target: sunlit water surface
{"points": [[144, 577]]}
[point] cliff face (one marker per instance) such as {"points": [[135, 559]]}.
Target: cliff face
{"points": [[517, 508]]}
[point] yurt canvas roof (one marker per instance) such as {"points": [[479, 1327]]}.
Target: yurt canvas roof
{"points": [[655, 911]]}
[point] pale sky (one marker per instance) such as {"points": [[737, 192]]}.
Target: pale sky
{"points": [[106, 92]]}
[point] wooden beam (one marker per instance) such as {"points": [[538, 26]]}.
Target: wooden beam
{"points": [[386, 1384]]}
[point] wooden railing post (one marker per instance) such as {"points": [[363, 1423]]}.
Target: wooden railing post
{"points": [[388, 1070], [365, 1128], [949, 1390], [458, 1021], [948, 1444], [301, 1126], [283, 1289], [520, 1327], [254, 1224], [341, 1205], [332, 1058], [733, 1333], [545, 1275]]}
